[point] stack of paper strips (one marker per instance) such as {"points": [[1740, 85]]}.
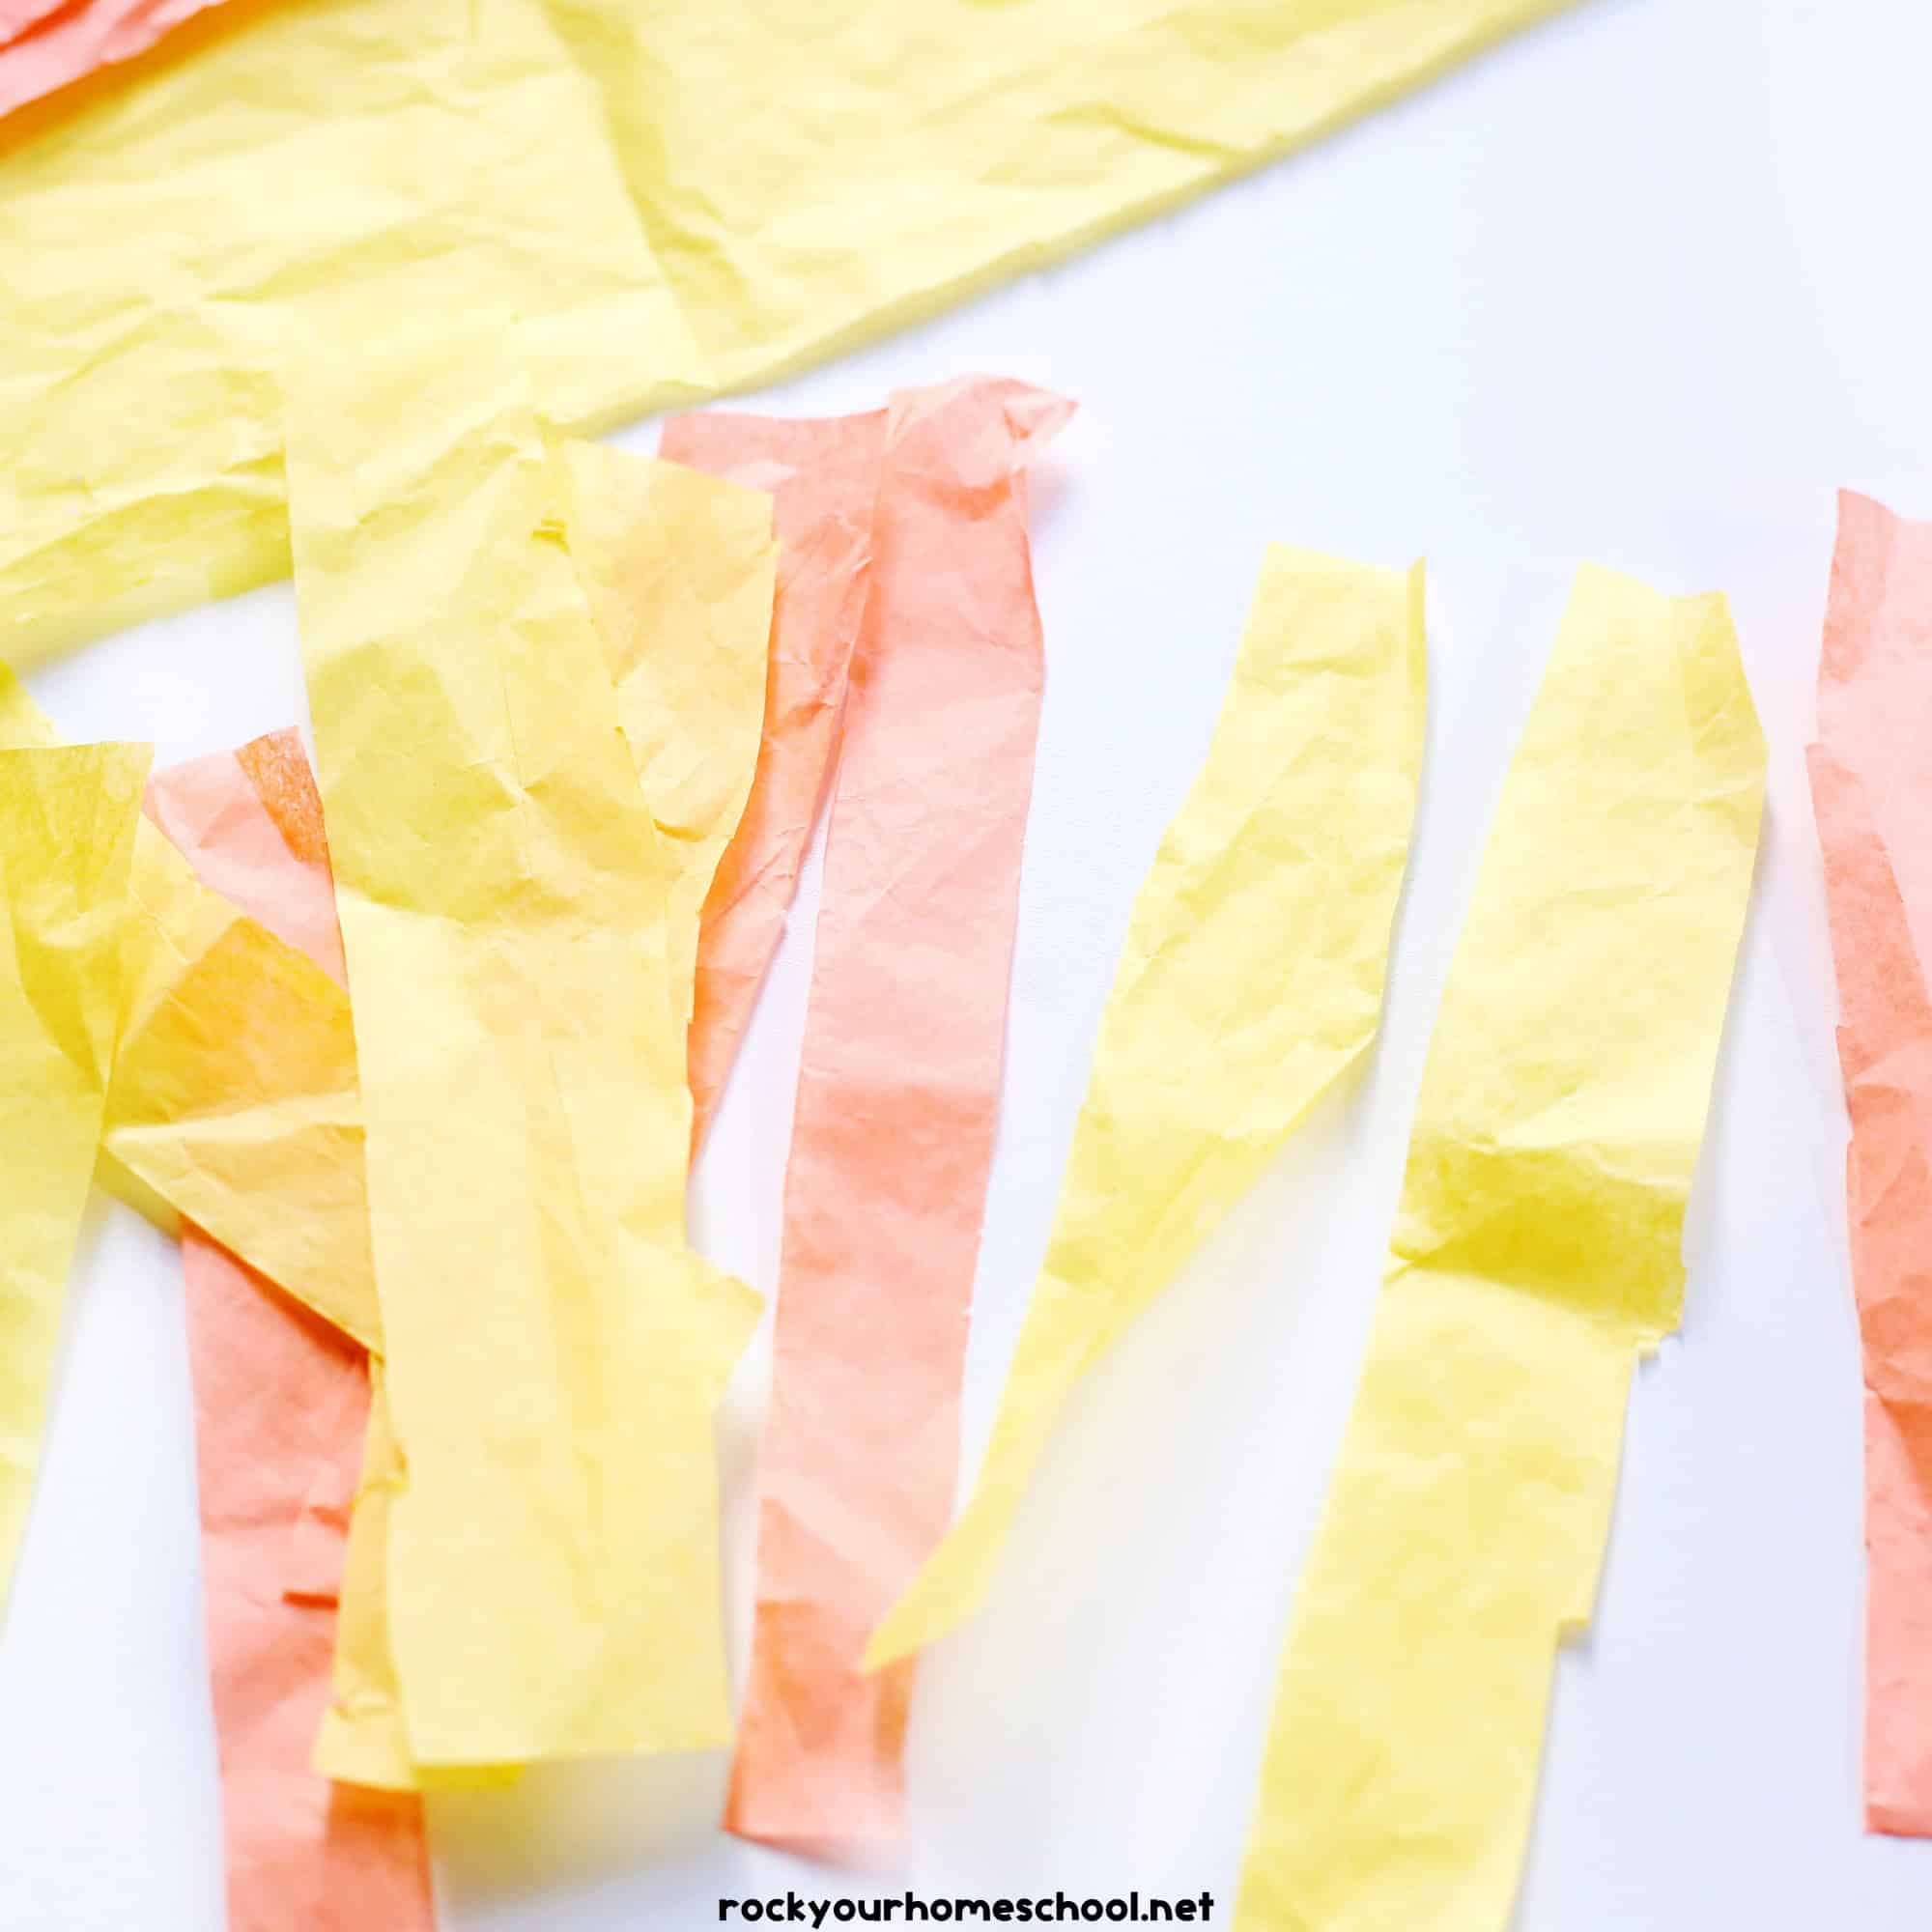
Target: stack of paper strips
{"points": [[1252, 980], [898, 1091], [281, 1409], [676, 197], [1536, 1255], [1871, 781], [508, 899]]}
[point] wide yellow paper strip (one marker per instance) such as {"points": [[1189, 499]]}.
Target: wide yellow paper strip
{"points": [[554, 1352], [1536, 1254], [678, 569], [676, 197], [67, 825], [1251, 978]]}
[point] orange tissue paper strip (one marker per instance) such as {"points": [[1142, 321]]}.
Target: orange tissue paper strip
{"points": [[897, 1092], [282, 1404], [1871, 785], [822, 475]]}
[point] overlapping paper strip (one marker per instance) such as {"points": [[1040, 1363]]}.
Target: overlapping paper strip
{"points": [[1251, 980], [677, 197], [67, 823], [899, 1089], [48, 44], [235, 1100], [1536, 1254], [1872, 781], [281, 1407], [823, 476], [505, 896]]}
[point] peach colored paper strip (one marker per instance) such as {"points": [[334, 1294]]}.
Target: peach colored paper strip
{"points": [[1871, 785], [823, 475], [44, 48], [281, 1405], [898, 1088]]}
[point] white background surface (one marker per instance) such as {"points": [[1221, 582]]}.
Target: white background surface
{"points": [[1645, 287]]}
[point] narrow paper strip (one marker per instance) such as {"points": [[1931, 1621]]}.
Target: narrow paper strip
{"points": [[1871, 783], [553, 1353], [1536, 1254], [281, 1405], [823, 475], [891, 1137], [67, 829], [1251, 978]]}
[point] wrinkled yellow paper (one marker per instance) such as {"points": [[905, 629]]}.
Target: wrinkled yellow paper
{"points": [[1251, 980], [234, 1099], [67, 825], [554, 1352], [679, 569], [676, 197], [1536, 1252]]}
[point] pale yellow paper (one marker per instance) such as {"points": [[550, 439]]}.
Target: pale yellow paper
{"points": [[677, 196], [1251, 980], [1536, 1254], [678, 570], [67, 823], [554, 1352]]}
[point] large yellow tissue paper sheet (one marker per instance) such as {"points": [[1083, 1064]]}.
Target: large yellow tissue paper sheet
{"points": [[1251, 980], [67, 824], [1536, 1254], [676, 198], [552, 1351]]}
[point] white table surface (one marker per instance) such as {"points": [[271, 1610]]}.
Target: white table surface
{"points": [[1645, 287]]}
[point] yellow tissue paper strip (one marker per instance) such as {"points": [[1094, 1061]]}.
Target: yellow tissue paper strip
{"points": [[1251, 980], [554, 1357], [67, 825], [678, 569], [1536, 1254], [675, 197], [234, 1099]]}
